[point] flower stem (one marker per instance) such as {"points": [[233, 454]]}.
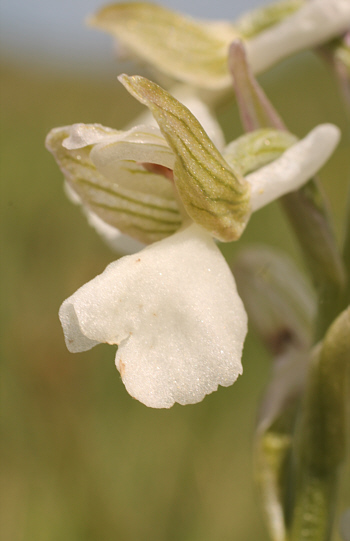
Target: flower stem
{"points": [[314, 508], [321, 447], [306, 209], [308, 215]]}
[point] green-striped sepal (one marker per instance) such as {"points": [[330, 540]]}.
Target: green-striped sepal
{"points": [[103, 167], [258, 148], [214, 194], [183, 48]]}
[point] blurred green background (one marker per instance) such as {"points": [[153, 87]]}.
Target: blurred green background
{"points": [[81, 460]]}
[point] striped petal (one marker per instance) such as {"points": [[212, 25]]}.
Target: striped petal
{"points": [[178, 46], [256, 21], [256, 149], [214, 194], [115, 239], [102, 166], [175, 314], [196, 52], [188, 96], [315, 23], [295, 167]]}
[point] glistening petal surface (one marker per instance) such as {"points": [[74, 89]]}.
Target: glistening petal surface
{"points": [[174, 310], [258, 148], [297, 165], [195, 52], [176, 45], [101, 166], [214, 194], [115, 239], [189, 96], [315, 23]]}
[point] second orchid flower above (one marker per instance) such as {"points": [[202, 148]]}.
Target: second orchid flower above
{"points": [[195, 51]]}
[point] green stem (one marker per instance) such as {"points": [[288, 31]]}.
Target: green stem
{"points": [[321, 444], [308, 215], [271, 456], [314, 508], [306, 209], [321, 447]]}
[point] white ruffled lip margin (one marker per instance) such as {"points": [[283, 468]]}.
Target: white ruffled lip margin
{"points": [[174, 310]]}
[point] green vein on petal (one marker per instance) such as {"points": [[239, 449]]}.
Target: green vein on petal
{"points": [[136, 202], [258, 148], [215, 195], [261, 19], [176, 45]]}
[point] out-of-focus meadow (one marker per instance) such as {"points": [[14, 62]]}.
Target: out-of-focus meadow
{"points": [[81, 460]]}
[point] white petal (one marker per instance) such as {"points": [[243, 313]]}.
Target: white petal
{"points": [[82, 135], [315, 23], [295, 167], [140, 144], [123, 244], [214, 194], [176, 45], [71, 194], [116, 240], [174, 310], [137, 202], [204, 116]]}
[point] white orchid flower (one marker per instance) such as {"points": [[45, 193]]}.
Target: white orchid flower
{"points": [[196, 52], [173, 308], [80, 136]]}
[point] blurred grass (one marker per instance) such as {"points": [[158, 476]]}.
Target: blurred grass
{"points": [[81, 459]]}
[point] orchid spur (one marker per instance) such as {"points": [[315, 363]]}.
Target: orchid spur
{"points": [[172, 308]]}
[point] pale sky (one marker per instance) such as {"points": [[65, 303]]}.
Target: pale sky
{"points": [[52, 33]]}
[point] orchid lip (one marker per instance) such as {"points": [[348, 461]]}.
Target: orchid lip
{"points": [[174, 310]]}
